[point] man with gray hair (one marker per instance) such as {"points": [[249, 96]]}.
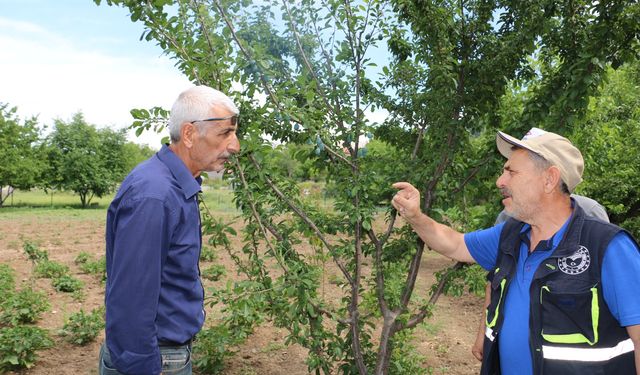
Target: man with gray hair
{"points": [[564, 294], [154, 297]]}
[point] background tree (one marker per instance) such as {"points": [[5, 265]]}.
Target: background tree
{"points": [[134, 154], [307, 73], [84, 159], [610, 140], [21, 165]]}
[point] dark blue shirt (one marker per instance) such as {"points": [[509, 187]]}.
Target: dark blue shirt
{"points": [[153, 289]]}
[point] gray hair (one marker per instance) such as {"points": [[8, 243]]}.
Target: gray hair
{"points": [[195, 104], [543, 164]]}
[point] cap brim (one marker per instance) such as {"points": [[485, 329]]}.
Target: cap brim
{"points": [[505, 142]]}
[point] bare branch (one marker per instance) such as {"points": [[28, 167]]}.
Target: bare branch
{"points": [[416, 147], [384, 307]]}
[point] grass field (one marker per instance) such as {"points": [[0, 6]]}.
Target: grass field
{"points": [[218, 198]]}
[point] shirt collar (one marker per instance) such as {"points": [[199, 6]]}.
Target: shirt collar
{"points": [[188, 184], [551, 243]]}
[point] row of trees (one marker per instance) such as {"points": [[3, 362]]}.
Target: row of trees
{"points": [[308, 72], [74, 156]]}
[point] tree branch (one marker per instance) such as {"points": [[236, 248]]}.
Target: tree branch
{"points": [[258, 219], [304, 218]]}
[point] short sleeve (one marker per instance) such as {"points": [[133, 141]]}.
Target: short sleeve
{"points": [[483, 245], [621, 279]]}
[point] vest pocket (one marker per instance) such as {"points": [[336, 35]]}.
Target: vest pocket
{"points": [[570, 318]]}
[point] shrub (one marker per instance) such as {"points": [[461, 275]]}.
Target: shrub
{"points": [[18, 346], [208, 254], [211, 348], [82, 258], [25, 306], [7, 281], [33, 252], [92, 267], [98, 267], [49, 269], [67, 283], [82, 328], [214, 272]]}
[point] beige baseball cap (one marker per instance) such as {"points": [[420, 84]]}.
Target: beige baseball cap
{"points": [[554, 148]]}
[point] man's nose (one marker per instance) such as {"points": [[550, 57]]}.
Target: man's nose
{"points": [[501, 181], [234, 145]]}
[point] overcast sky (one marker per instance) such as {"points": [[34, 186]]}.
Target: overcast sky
{"points": [[58, 57]]}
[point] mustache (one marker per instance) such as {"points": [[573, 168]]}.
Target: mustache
{"points": [[505, 192]]}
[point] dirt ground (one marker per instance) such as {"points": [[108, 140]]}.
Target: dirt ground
{"points": [[445, 339]]}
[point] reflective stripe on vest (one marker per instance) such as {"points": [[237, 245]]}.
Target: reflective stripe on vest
{"points": [[587, 354], [488, 332], [492, 323]]}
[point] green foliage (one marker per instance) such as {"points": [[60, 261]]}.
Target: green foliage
{"points": [[95, 267], [134, 154], [21, 162], [7, 281], [609, 141], [84, 159], [459, 71], [49, 269], [211, 348], [90, 266], [67, 283], [405, 359], [214, 272], [18, 346], [82, 258], [23, 307], [208, 254], [472, 277], [213, 345], [34, 253], [82, 328]]}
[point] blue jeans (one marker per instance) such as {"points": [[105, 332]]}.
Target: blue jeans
{"points": [[176, 360]]}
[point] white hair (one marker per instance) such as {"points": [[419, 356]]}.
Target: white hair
{"points": [[194, 104]]}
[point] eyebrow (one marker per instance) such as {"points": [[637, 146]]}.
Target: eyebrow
{"points": [[227, 127]]}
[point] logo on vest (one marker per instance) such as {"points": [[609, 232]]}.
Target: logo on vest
{"points": [[576, 263]]}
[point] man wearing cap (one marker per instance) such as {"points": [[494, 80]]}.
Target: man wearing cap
{"points": [[564, 295]]}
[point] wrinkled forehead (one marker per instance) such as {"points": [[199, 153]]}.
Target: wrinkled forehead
{"points": [[519, 158]]}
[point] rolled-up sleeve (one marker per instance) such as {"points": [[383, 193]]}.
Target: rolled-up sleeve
{"points": [[139, 244]]}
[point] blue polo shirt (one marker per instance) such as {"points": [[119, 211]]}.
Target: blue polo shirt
{"points": [[619, 288], [153, 290]]}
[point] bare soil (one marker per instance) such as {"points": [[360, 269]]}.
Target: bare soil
{"points": [[444, 340]]}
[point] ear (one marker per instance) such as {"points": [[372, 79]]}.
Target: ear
{"points": [[552, 179], [188, 132]]}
